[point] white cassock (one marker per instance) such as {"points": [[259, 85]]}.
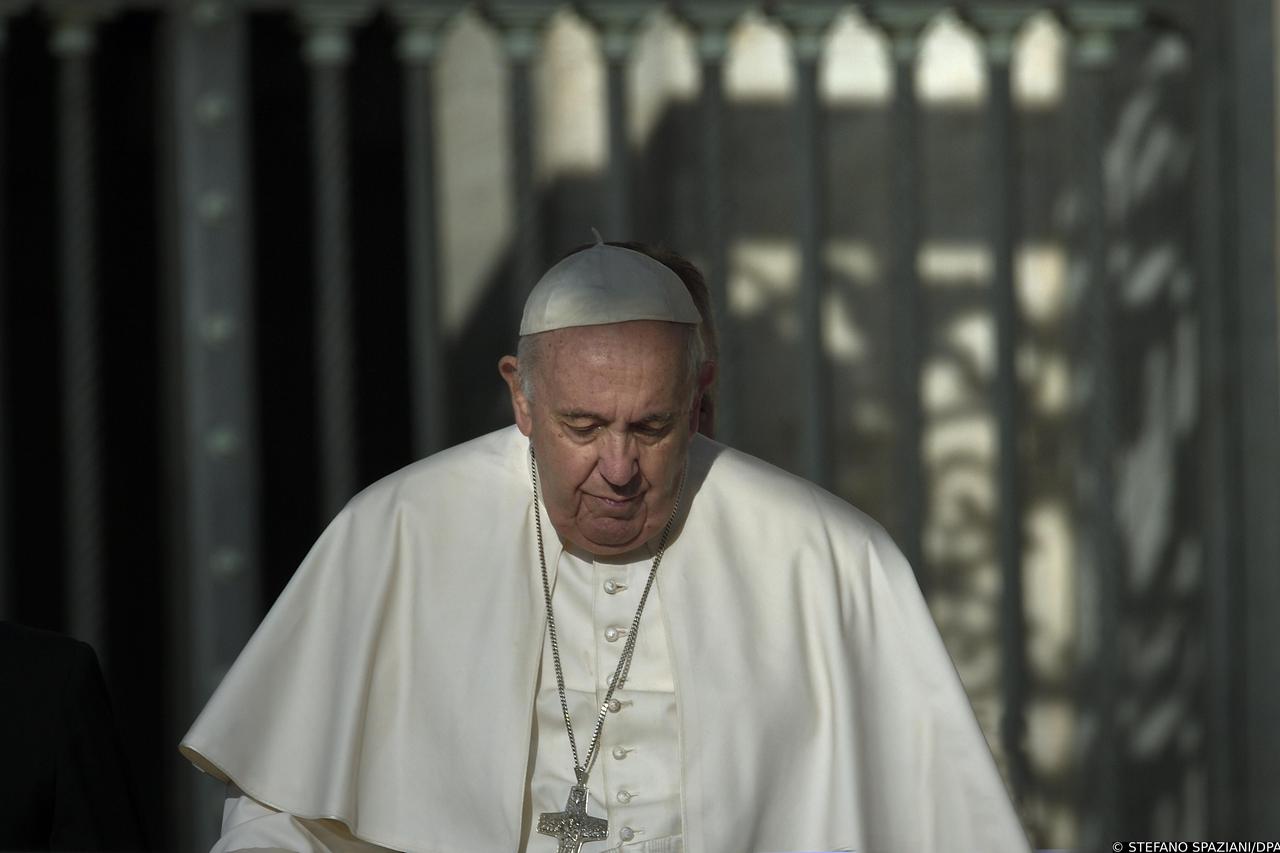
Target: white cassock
{"points": [[396, 694]]}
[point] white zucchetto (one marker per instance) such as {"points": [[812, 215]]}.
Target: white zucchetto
{"points": [[606, 284]]}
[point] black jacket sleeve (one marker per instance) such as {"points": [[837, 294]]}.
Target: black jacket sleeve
{"points": [[66, 787]]}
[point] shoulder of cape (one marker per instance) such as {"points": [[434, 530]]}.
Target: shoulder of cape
{"points": [[796, 548], [758, 496], [363, 581], [490, 467], [804, 529], [423, 517]]}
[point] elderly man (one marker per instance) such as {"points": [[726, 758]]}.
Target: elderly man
{"points": [[600, 630]]}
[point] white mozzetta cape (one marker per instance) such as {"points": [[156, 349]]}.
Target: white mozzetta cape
{"points": [[392, 684]]}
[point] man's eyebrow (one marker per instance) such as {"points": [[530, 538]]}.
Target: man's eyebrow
{"points": [[579, 414], [657, 418]]}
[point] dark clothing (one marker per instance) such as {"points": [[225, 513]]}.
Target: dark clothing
{"points": [[62, 779]]}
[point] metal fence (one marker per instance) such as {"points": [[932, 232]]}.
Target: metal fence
{"points": [[231, 263]]}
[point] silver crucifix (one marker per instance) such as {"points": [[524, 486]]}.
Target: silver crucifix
{"points": [[573, 826]]}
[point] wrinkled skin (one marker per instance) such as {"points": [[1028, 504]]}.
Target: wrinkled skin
{"points": [[610, 420]]}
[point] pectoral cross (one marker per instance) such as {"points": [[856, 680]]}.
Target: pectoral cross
{"points": [[573, 826]]}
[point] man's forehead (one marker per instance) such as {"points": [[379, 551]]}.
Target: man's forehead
{"points": [[642, 360], [616, 346], [629, 333]]}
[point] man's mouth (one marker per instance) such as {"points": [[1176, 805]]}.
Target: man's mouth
{"points": [[616, 503]]}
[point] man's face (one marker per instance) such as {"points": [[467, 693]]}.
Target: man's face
{"points": [[610, 421]]}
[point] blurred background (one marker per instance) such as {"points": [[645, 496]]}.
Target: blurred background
{"points": [[1003, 274]]}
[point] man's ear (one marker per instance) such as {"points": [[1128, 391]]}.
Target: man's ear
{"points": [[702, 413], [509, 367]]}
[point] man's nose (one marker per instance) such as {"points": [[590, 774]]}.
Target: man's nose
{"points": [[619, 461]]}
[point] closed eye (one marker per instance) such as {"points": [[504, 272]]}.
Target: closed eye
{"points": [[584, 426], [583, 430], [653, 429]]}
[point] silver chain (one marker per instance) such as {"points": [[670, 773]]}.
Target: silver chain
{"points": [[582, 768]]}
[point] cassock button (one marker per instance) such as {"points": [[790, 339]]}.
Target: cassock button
{"points": [[615, 705], [613, 587], [624, 797], [612, 633], [619, 752], [626, 833]]}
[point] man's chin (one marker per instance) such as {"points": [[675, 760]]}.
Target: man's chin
{"points": [[608, 537]]}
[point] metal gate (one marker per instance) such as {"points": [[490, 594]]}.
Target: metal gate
{"points": [[1000, 273]]}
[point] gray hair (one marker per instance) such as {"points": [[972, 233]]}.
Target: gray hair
{"points": [[528, 354]]}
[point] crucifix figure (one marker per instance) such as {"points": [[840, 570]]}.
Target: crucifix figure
{"points": [[573, 826]]}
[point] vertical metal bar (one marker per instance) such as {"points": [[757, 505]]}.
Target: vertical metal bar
{"points": [[1218, 469], [73, 44], [1093, 53], [618, 21], [521, 25], [617, 48], [528, 259], [713, 45], [328, 52], [1003, 168], [906, 300], [1252, 153], [417, 50], [210, 385], [810, 150], [7, 610]]}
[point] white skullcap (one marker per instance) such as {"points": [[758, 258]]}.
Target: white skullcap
{"points": [[606, 284]]}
